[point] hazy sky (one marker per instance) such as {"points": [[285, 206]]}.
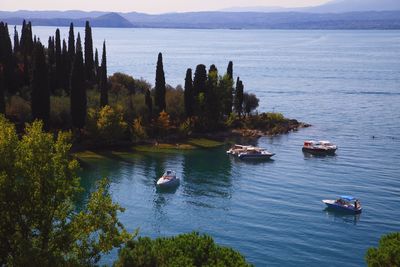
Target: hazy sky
{"points": [[148, 6]]}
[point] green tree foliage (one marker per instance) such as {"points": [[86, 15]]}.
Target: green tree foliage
{"points": [[78, 91], [40, 100], [159, 96], [39, 224], [138, 131], [225, 88], [89, 64], [250, 103], [212, 95], [2, 89], [149, 104], [122, 82], [78, 46], [199, 89], [103, 78], [189, 94], [238, 102], [183, 250], [387, 253], [107, 125]]}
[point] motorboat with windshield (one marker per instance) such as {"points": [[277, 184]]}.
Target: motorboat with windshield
{"points": [[249, 152], [344, 203], [319, 147], [168, 179]]}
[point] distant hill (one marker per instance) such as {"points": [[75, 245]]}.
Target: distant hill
{"points": [[108, 20], [335, 6], [216, 20]]}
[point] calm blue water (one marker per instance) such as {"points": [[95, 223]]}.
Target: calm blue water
{"points": [[345, 83]]}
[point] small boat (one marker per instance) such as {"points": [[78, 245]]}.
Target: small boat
{"points": [[255, 153], [319, 147], [168, 179], [344, 203], [249, 152]]}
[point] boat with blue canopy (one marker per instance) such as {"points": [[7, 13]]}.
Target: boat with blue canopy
{"points": [[344, 203]]}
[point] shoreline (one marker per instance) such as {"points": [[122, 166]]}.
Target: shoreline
{"points": [[174, 143]]}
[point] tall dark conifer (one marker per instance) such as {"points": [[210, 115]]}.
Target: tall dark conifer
{"points": [[51, 64], [149, 104], [78, 90], [16, 41], [71, 42], [89, 65], [96, 65], [40, 100], [103, 78], [78, 46], [229, 70], [2, 90], [200, 79], [66, 65], [159, 97], [188, 94], [238, 102], [59, 72], [7, 60]]}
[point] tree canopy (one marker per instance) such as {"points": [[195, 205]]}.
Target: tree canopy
{"points": [[183, 250], [40, 226], [387, 253]]}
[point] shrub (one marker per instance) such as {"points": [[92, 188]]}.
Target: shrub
{"points": [[107, 125], [186, 128], [19, 109], [60, 116], [387, 253], [138, 131], [175, 103], [182, 250]]}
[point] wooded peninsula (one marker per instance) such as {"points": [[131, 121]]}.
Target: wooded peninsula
{"points": [[66, 86]]}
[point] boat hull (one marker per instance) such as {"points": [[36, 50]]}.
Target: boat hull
{"points": [[255, 157], [167, 182], [319, 151], [331, 204]]}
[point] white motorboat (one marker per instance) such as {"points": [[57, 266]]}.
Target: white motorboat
{"points": [[319, 147], [255, 153], [168, 179], [249, 152]]}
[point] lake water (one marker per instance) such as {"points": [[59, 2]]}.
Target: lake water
{"points": [[345, 83]]}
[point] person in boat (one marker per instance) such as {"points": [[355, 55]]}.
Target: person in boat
{"points": [[356, 204]]}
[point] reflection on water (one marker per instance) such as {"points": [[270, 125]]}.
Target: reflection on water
{"points": [[342, 216]]}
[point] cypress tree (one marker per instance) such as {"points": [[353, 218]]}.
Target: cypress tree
{"points": [[7, 60], [103, 78], [78, 91], [188, 94], [96, 65], [212, 100], [89, 65], [40, 100], [200, 79], [65, 63], [16, 41], [238, 103], [2, 89], [59, 72], [26, 74], [51, 65], [23, 36], [71, 42], [149, 104], [78, 46], [229, 70], [160, 89]]}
